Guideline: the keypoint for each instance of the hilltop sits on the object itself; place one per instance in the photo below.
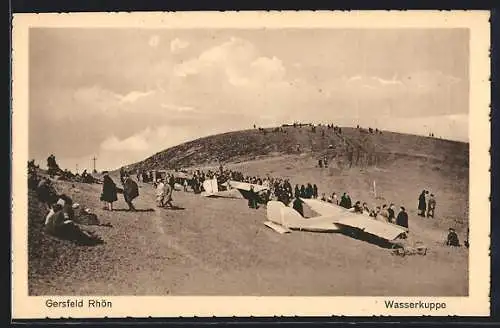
(351, 145)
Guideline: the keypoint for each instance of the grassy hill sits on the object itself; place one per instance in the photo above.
(221, 247)
(363, 148)
(400, 165)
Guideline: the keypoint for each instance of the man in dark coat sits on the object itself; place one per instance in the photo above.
(402, 219)
(391, 213)
(297, 205)
(343, 201)
(130, 192)
(109, 192)
(431, 206)
(309, 191)
(297, 191)
(315, 191)
(422, 206)
(252, 198)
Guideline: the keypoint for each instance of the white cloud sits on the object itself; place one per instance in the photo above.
(133, 96)
(238, 61)
(176, 45)
(154, 41)
(94, 99)
(383, 82)
(178, 108)
(417, 83)
(133, 143)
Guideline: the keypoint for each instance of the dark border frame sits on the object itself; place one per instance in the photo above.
(45, 6)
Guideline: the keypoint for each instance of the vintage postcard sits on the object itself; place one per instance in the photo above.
(251, 164)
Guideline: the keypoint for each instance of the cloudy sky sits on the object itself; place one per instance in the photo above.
(124, 94)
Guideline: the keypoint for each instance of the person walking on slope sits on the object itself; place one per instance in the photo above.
(130, 192)
(164, 194)
(422, 206)
(109, 192)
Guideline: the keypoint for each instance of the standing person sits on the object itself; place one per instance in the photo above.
(252, 199)
(160, 192)
(297, 191)
(431, 206)
(297, 205)
(422, 206)
(302, 191)
(402, 219)
(348, 201)
(391, 213)
(315, 191)
(343, 201)
(167, 195)
(109, 193)
(335, 199)
(309, 191)
(130, 191)
(384, 213)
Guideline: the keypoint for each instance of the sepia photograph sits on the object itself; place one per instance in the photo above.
(292, 161)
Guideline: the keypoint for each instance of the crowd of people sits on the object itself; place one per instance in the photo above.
(280, 189)
(276, 188)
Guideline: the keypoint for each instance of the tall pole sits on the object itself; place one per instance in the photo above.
(76, 168)
(94, 159)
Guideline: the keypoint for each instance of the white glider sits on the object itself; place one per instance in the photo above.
(331, 218)
(212, 190)
(235, 189)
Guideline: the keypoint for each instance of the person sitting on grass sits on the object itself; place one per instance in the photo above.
(59, 224)
(452, 239)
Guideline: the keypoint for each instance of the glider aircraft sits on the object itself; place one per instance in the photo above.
(331, 218)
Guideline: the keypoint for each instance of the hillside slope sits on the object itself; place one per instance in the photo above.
(351, 145)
